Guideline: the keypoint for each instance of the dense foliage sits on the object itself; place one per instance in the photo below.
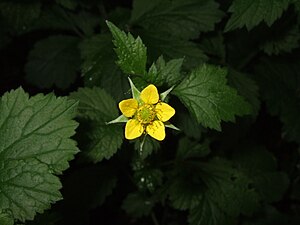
(229, 68)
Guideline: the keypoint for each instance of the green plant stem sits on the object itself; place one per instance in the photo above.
(154, 219)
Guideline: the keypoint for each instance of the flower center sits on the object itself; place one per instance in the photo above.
(146, 114)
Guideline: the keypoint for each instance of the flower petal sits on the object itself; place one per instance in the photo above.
(150, 95)
(164, 112)
(156, 130)
(133, 129)
(128, 107)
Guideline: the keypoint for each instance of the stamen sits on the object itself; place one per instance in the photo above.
(146, 114)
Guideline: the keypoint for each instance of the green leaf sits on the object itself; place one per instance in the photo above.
(189, 125)
(99, 67)
(191, 149)
(285, 42)
(228, 188)
(20, 15)
(172, 48)
(260, 166)
(132, 53)
(99, 107)
(95, 104)
(214, 191)
(181, 18)
(53, 18)
(246, 87)
(207, 213)
(137, 204)
(214, 46)
(82, 22)
(168, 73)
(35, 145)
(250, 13)
(185, 192)
(6, 219)
(162, 73)
(279, 85)
(208, 98)
(105, 140)
(53, 61)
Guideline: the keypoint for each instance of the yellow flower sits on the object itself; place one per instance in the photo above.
(146, 115)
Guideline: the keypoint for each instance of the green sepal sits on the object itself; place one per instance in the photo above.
(135, 92)
(120, 119)
(169, 125)
(166, 93)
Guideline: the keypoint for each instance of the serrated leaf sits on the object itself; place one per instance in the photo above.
(246, 87)
(208, 98)
(181, 18)
(189, 126)
(99, 107)
(185, 192)
(137, 204)
(214, 191)
(53, 61)
(173, 48)
(271, 185)
(191, 149)
(35, 144)
(229, 188)
(105, 140)
(167, 72)
(161, 72)
(279, 85)
(132, 53)
(84, 22)
(260, 165)
(250, 13)
(20, 15)
(53, 18)
(208, 214)
(214, 46)
(99, 67)
(283, 43)
(6, 219)
(95, 104)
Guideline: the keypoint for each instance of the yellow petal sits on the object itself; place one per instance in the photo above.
(128, 107)
(156, 130)
(133, 129)
(164, 112)
(150, 94)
